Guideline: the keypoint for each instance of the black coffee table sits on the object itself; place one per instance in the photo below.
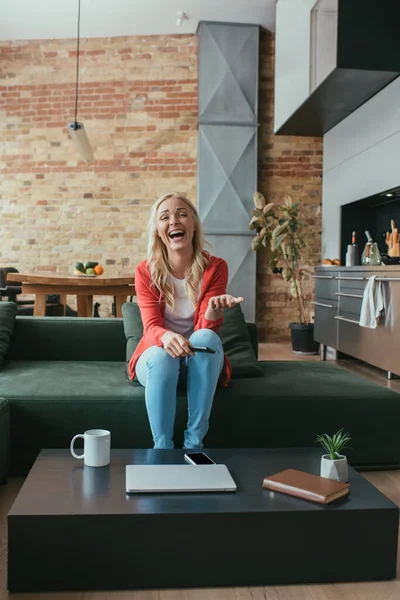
(74, 528)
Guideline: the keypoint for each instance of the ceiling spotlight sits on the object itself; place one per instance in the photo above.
(181, 16)
(389, 194)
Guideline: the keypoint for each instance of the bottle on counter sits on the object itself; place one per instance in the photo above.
(371, 255)
(352, 252)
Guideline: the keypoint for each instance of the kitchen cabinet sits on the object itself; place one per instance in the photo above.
(331, 56)
(337, 302)
(325, 325)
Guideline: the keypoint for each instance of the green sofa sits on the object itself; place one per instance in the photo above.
(4, 438)
(62, 376)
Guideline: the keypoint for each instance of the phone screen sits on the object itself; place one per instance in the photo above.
(199, 458)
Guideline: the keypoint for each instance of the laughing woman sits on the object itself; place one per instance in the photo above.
(181, 292)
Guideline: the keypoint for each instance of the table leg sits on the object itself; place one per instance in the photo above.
(83, 306)
(39, 308)
(119, 301)
(63, 302)
(90, 306)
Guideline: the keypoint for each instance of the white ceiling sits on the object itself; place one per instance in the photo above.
(55, 19)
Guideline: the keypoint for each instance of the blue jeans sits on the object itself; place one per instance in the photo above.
(159, 373)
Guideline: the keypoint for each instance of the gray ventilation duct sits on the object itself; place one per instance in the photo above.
(227, 148)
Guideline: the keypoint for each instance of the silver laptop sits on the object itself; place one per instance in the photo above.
(178, 478)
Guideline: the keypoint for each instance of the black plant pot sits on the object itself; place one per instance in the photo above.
(303, 338)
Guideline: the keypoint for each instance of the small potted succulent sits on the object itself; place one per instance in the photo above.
(334, 464)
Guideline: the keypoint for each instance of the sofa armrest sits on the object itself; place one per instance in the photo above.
(253, 333)
(4, 438)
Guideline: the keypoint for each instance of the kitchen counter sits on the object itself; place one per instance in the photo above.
(337, 303)
(380, 268)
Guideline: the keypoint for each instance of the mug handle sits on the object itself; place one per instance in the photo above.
(80, 435)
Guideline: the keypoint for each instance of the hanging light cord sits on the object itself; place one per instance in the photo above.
(77, 65)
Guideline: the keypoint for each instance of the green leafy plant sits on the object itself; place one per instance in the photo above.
(334, 445)
(281, 230)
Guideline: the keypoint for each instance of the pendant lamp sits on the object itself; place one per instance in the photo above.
(76, 129)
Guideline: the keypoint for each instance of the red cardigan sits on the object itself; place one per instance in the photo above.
(152, 307)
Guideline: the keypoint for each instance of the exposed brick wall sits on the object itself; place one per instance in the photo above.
(138, 102)
(287, 165)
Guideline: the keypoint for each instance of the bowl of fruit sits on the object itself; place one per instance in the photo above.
(89, 269)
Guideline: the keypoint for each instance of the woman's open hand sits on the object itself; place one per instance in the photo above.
(176, 345)
(224, 301)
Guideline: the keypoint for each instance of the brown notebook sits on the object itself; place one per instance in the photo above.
(307, 486)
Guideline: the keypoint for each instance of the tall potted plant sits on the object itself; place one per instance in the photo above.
(281, 230)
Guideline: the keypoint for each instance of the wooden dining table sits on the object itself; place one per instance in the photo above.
(84, 288)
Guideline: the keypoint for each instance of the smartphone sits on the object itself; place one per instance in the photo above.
(202, 349)
(198, 458)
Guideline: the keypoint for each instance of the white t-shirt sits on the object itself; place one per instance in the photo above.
(181, 319)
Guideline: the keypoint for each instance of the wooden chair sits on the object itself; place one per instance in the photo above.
(6, 290)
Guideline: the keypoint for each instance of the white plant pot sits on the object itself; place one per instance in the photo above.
(334, 469)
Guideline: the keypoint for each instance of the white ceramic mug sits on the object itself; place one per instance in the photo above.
(96, 447)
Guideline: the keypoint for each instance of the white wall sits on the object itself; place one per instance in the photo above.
(324, 49)
(292, 57)
(361, 158)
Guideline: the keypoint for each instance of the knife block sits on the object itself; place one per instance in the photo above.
(394, 250)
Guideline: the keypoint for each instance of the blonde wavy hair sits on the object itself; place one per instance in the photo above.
(157, 255)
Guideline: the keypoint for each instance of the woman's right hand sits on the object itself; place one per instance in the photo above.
(176, 345)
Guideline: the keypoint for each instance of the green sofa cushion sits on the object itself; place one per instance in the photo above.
(8, 311)
(133, 327)
(51, 401)
(237, 345)
(234, 335)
